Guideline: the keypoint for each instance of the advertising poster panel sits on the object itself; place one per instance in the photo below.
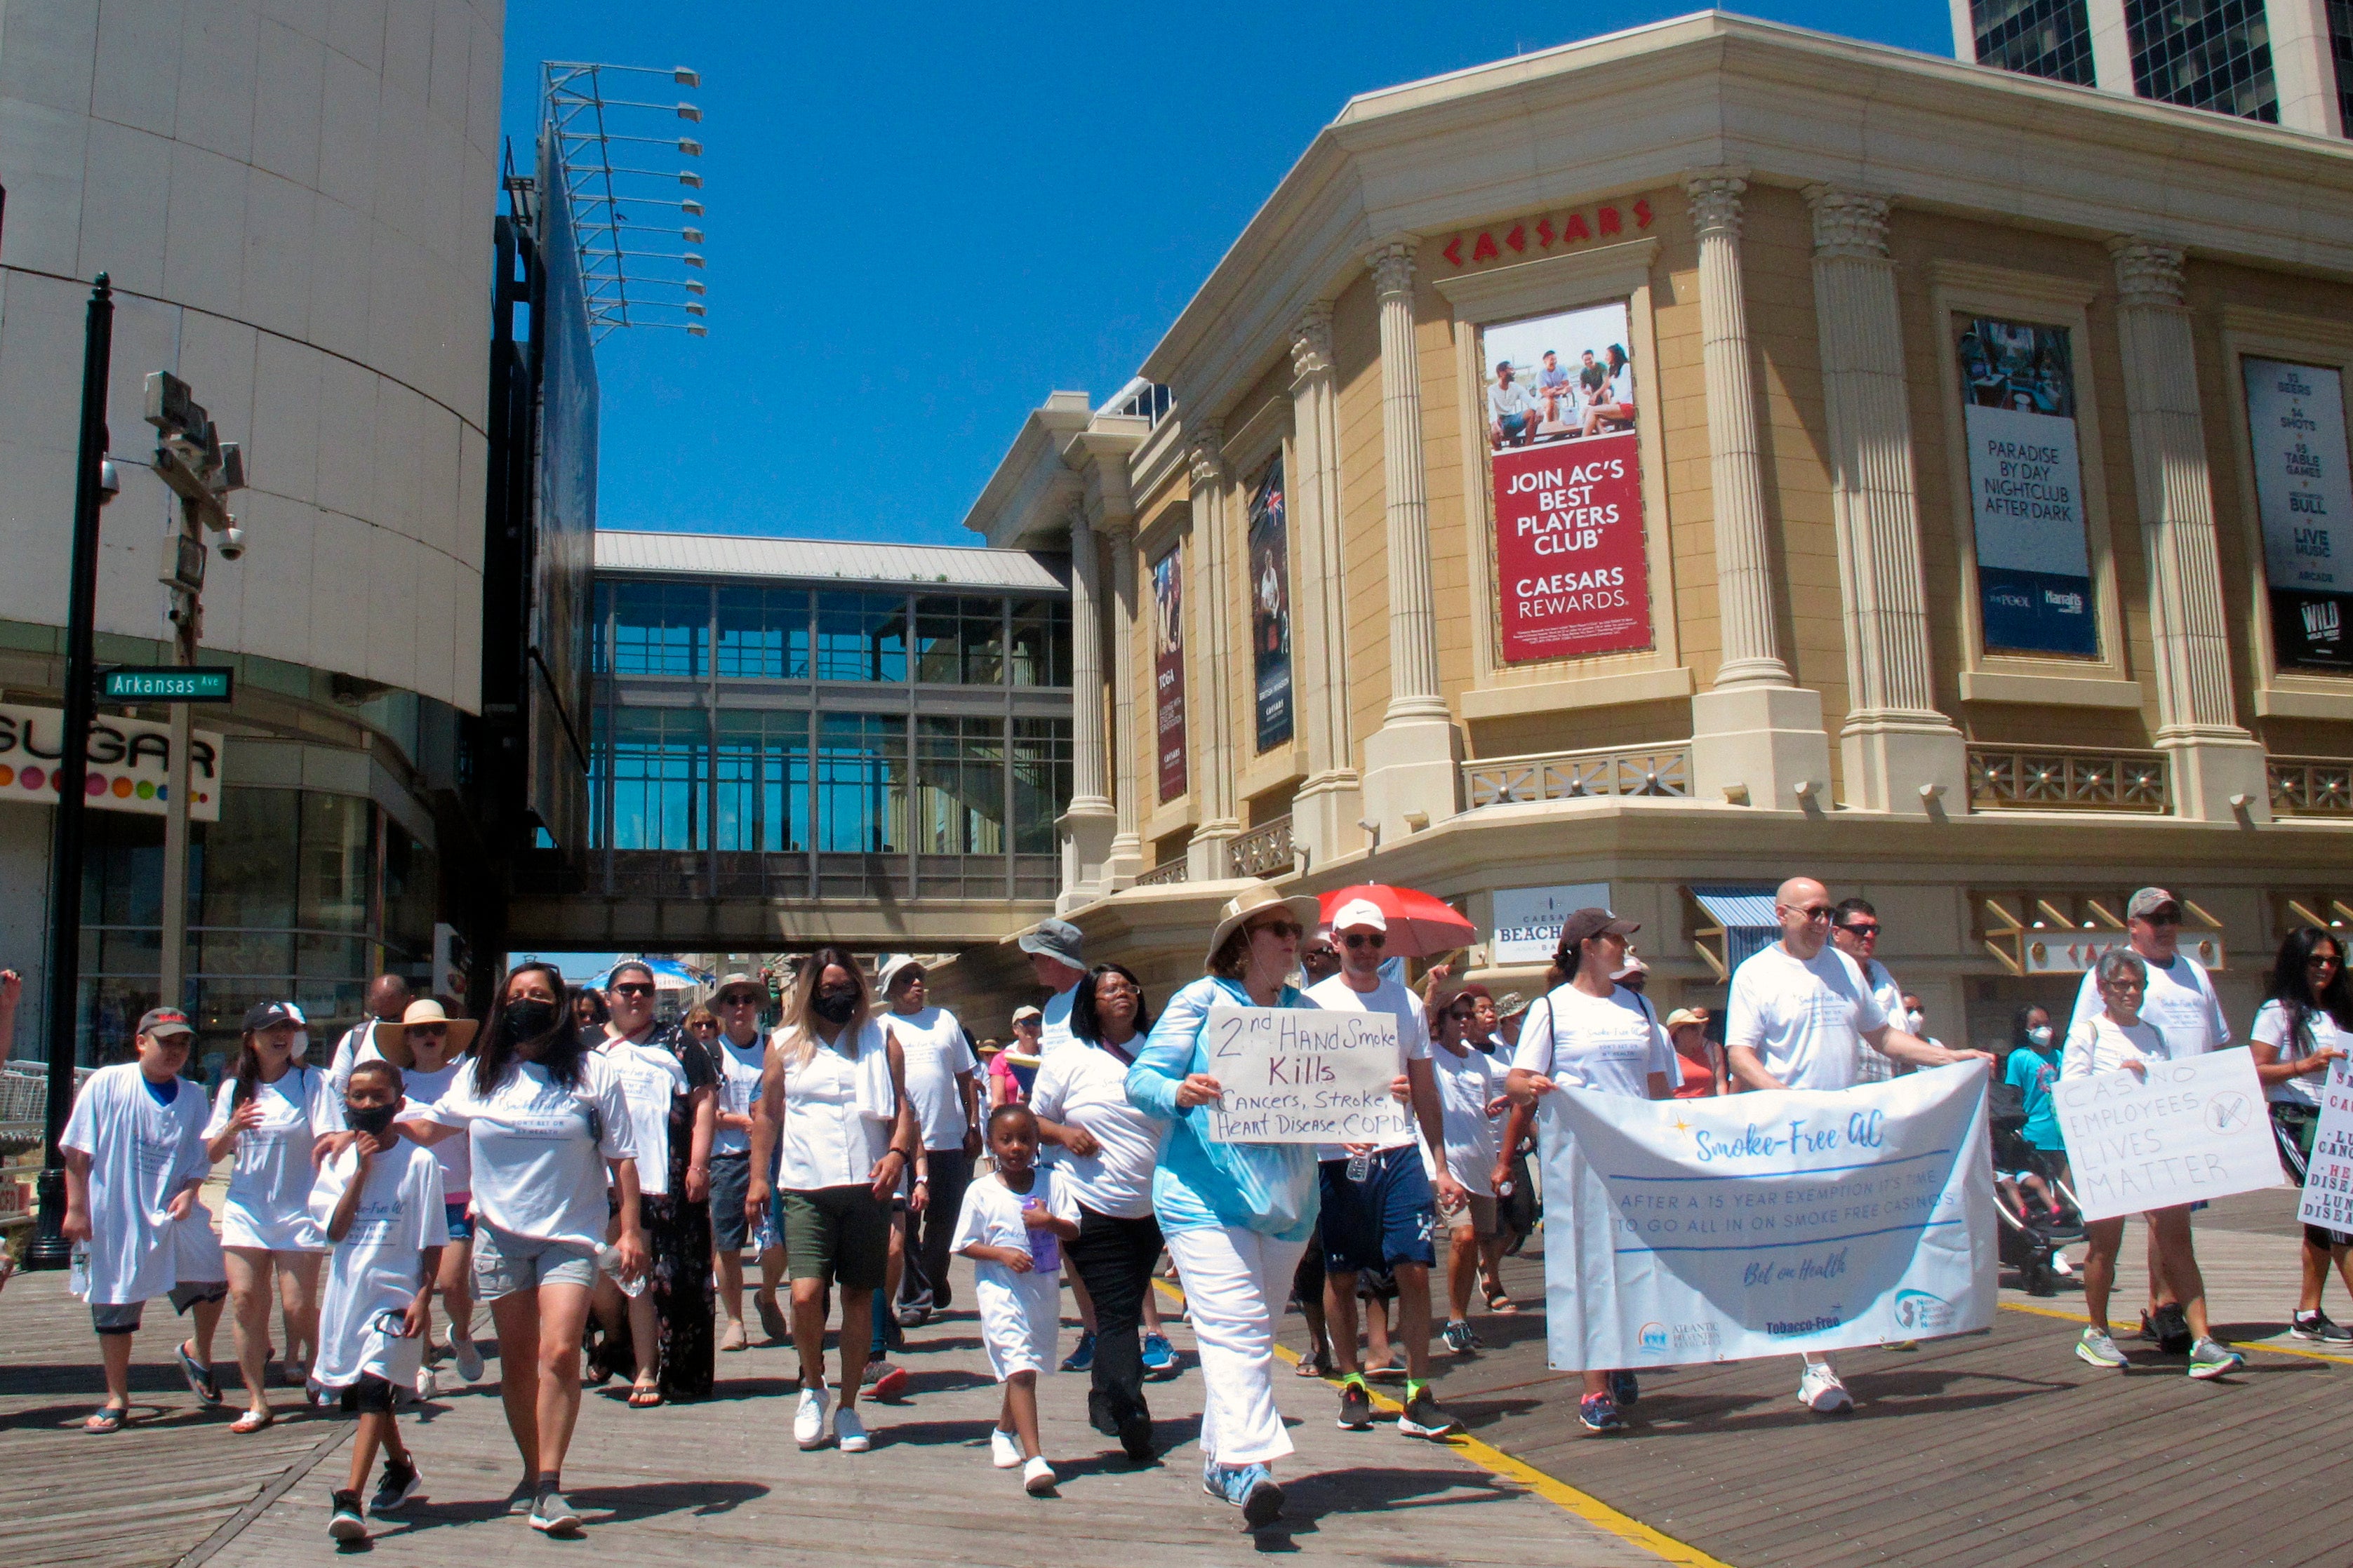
(2296, 421)
(1168, 670)
(1559, 406)
(1269, 585)
(2026, 488)
(130, 762)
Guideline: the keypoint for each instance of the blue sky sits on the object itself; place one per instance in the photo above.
(923, 219)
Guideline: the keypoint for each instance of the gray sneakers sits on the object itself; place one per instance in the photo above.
(2210, 1358)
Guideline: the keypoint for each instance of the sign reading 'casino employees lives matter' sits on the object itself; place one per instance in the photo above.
(1753, 1225)
(1559, 406)
(1293, 1075)
(2190, 1130)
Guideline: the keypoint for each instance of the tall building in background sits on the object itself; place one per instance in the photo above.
(2284, 62)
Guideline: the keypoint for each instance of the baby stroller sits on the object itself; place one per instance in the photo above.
(2032, 1233)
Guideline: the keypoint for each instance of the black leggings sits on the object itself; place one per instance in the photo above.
(1116, 1258)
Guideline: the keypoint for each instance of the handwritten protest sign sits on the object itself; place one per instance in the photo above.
(1753, 1225)
(1294, 1075)
(2193, 1129)
(2328, 1176)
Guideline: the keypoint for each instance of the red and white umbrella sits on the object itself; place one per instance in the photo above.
(1419, 925)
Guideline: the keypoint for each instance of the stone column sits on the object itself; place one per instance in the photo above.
(1209, 660)
(1894, 741)
(2213, 758)
(1330, 800)
(1131, 708)
(1413, 764)
(2303, 67)
(1756, 736)
(1087, 823)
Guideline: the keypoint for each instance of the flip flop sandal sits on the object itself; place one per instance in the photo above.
(105, 1419)
(645, 1396)
(252, 1421)
(201, 1381)
(773, 1322)
(1501, 1303)
(1318, 1365)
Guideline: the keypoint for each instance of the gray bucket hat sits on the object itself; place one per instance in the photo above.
(1056, 939)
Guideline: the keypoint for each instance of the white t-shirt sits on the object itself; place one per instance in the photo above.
(650, 1078)
(2177, 998)
(356, 1040)
(142, 1154)
(837, 1127)
(1390, 996)
(2099, 1044)
(1611, 1044)
(1465, 1085)
(268, 1202)
(378, 1264)
(2271, 1029)
(1872, 1065)
(739, 1086)
(1087, 1087)
(1805, 1019)
(1054, 1028)
(933, 1044)
(991, 1216)
(539, 1149)
(420, 1087)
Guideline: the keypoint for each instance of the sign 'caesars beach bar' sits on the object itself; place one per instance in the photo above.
(1751, 1224)
(1294, 1075)
(2192, 1129)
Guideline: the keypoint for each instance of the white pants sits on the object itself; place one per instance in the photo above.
(1236, 1282)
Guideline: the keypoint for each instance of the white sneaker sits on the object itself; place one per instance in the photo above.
(1820, 1390)
(1004, 1449)
(851, 1431)
(427, 1386)
(1038, 1477)
(468, 1357)
(809, 1419)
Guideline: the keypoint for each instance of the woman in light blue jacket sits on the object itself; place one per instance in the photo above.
(1235, 1216)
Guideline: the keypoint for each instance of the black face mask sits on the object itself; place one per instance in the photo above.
(372, 1120)
(835, 1006)
(526, 1020)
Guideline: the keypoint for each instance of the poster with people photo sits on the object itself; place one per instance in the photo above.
(2296, 424)
(1560, 409)
(1168, 670)
(2026, 487)
(1270, 587)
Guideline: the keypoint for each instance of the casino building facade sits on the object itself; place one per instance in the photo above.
(1658, 466)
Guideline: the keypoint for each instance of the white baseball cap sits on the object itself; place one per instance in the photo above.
(1360, 912)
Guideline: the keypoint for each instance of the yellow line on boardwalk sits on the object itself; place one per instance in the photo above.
(1557, 1492)
(2239, 1345)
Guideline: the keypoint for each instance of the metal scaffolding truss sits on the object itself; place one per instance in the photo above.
(630, 277)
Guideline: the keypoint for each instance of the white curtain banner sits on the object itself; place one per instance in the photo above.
(1766, 1224)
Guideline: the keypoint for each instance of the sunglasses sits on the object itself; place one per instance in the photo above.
(702, 1026)
(429, 1031)
(633, 988)
(1366, 939)
(2322, 960)
(739, 1000)
(1860, 927)
(1292, 929)
(1812, 912)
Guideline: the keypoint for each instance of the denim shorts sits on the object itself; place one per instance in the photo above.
(505, 1263)
(1381, 1221)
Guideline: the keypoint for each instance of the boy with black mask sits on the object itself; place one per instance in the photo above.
(380, 1201)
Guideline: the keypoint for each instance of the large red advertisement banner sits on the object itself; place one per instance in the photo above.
(1571, 570)
(1568, 549)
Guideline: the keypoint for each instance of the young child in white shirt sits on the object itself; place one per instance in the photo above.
(1012, 1226)
(380, 1201)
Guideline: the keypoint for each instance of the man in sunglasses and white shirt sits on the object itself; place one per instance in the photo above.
(1800, 1010)
(1381, 1220)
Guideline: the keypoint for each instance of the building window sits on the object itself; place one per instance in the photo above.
(764, 634)
(1042, 782)
(2036, 37)
(2340, 60)
(960, 642)
(2203, 54)
(960, 786)
(762, 763)
(1041, 640)
(655, 768)
(660, 628)
(862, 783)
(600, 658)
(1150, 402)
(861, 637)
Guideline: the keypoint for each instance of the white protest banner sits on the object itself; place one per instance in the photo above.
(1753, 1224)
(2192, 1129)
(1294, 1075)
(2328, 1174)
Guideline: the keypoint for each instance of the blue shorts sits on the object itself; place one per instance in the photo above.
(1381, 1221)
(459, 1222)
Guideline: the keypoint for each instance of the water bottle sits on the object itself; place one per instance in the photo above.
(77, 1271)
(608, 1258)
(1045, 1246)
(1360, 1166)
